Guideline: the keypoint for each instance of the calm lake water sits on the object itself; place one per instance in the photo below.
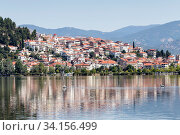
(92, 97)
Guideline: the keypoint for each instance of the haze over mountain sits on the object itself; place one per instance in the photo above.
(164, 36)
(70, 31)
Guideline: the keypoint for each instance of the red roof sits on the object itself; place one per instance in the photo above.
(82, 64)
(148, 64)
(109, 62)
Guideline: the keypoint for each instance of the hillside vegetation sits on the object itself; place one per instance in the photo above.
(12, 35)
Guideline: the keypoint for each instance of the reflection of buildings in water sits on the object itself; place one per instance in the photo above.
(44, 95)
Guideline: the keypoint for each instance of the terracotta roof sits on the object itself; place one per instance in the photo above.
(82, 64)
(148, 64)
(109, 62)
(13, 62)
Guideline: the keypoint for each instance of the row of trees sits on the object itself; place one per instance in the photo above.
(115, 70)
(41, 69)
(129, 70)
(7, 68)
(12, 35)
(163, 54)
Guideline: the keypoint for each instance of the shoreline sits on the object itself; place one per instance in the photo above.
(97, 74)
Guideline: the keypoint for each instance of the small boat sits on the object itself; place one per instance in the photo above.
(64, 87)
(162, 86)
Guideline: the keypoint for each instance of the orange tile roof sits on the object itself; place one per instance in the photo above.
(148, 64)
(13, 62)
(82, 64)
(109, 62)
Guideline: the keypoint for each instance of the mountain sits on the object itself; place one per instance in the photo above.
(118, 34)
(165, 36)
(66, 31)
(70, 31)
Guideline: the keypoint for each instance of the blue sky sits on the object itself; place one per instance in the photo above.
(104, 15)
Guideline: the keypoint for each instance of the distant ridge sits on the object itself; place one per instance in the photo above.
(71, 31)
(165, 36)
(66, 31)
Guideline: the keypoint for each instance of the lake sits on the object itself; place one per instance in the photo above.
(90, 98)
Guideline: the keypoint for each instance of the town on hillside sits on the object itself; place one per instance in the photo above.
(90, 53)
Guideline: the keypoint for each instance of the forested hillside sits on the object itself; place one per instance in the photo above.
(12, 35)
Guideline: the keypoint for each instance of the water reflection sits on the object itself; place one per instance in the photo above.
(107, 97)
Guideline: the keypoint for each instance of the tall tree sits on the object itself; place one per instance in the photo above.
(19, 67)
(133, 44)
(163, 54)
(167, 54)
(8, 67)
(33, 35)
(1, 67)
(41, 68)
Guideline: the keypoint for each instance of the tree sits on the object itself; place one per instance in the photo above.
(81, 43)
(162, 54)
(45, 70)
(84, 71)
(93, 71)
(1, 57)
(35, 70)
(1, 22)
(138, 54)
(36, 49)
(158, 54)
(123, 51)
(7, 49)
(133, 45)
(33, 35)
(139, 71)
(59, 69)
(19, 68)
(1, 68)
(72, 69)
(22, 43)
(113, 68)
(51, 70)
(8, 67)
(145, 70)
(153, 70)
(111, 56)
(129, 68)
(92, 55)
(41, 68)
(178, 68)
(24, 71)
(167, 54)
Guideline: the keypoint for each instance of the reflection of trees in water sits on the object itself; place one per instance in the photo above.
(41, 82)
(29, 97)
(11, 106)
(17, 112)
(18, 82)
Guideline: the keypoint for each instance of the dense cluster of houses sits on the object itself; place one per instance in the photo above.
(78, 51)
